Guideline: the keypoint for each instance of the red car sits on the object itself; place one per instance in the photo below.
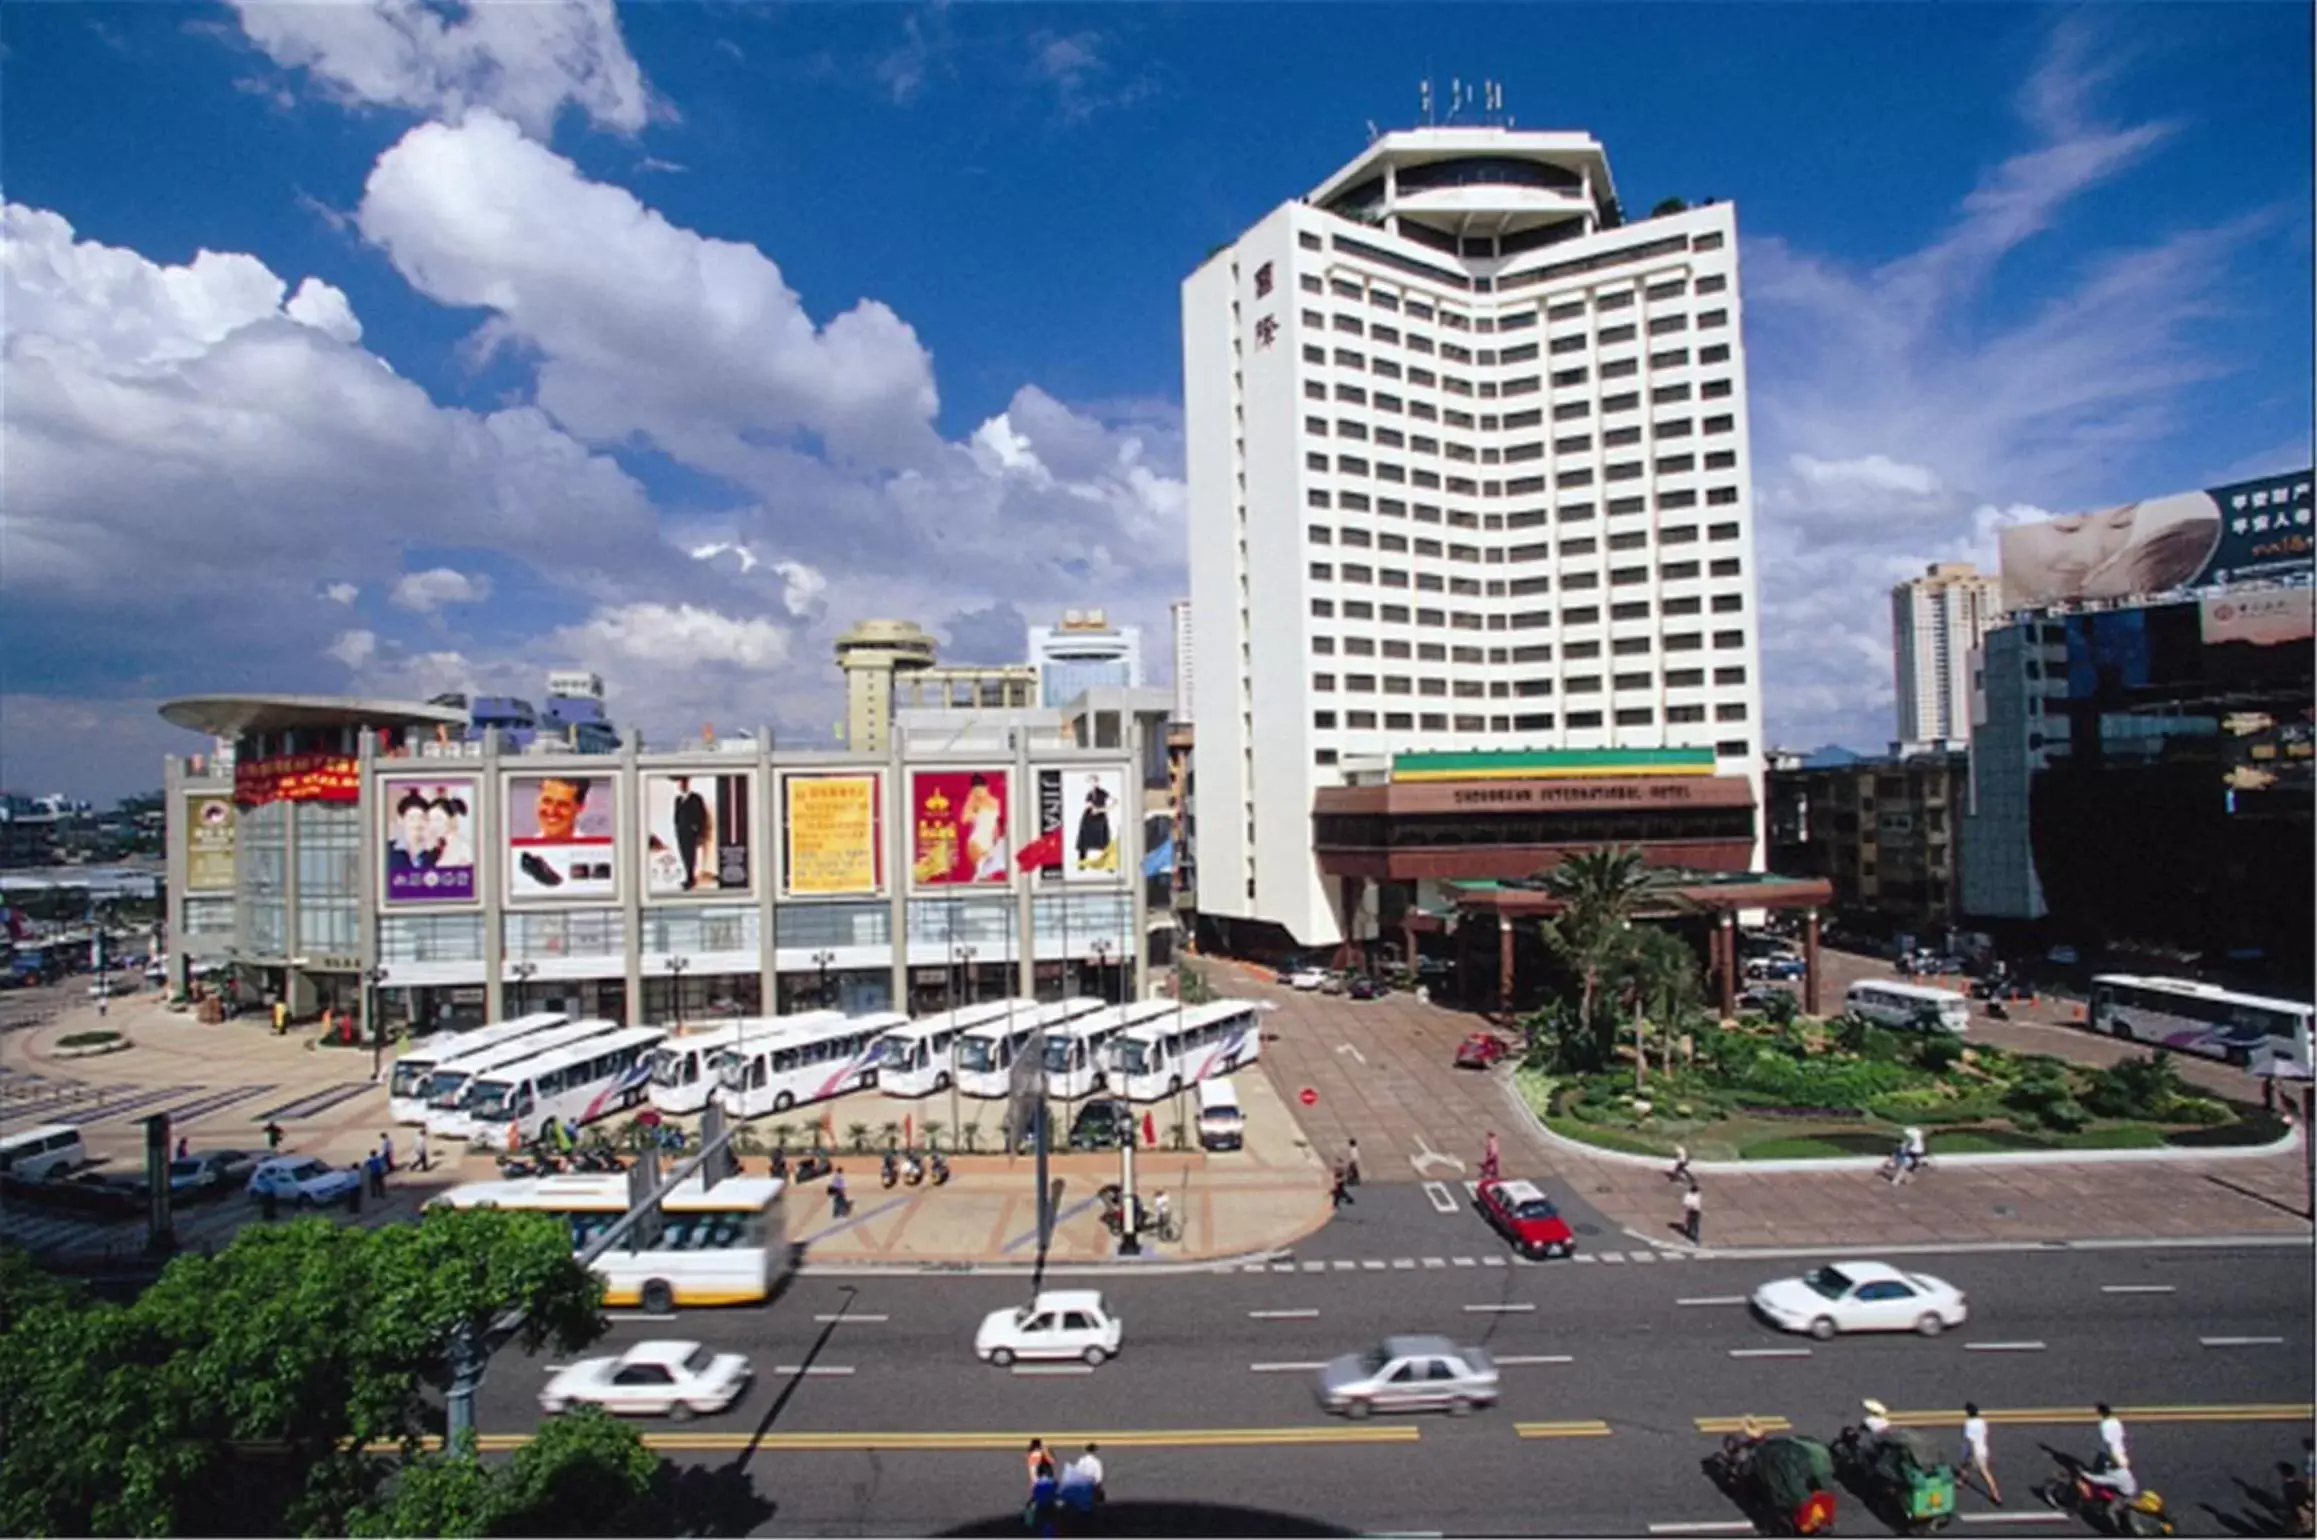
(1481, 1050)
(1527, 1218)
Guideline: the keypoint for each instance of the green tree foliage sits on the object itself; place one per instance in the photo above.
(1666, 206)
(2146, 1087)
(585, 1473)
(1191, 986)
(1600, 891)
(257, 1388)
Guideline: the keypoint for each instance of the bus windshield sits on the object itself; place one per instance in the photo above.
(1134, 1058)
(409, 1075)
(668, 1066)
(978, 1054)
(488, 1100)
(1064, 1054)
(443, 1087)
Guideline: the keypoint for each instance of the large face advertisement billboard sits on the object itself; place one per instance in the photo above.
(212, 825)
(2247, 531)
(561, 836)
(696, 833)
(1080, 816)
(958, 830)
(830, 827)
(429, 839)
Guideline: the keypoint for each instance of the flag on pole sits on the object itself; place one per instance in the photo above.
(1149, 1132)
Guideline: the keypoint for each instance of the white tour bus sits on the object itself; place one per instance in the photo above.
(447, 1090)
(52, 1149)
(914, 1060)
(1076, 1050)
(805, 1064)
(684, 1068)
(727, 1245)
(1890, 1003)
(1159, 1058)
(2254, 1031)
(985, 1054)
(574, 1086)
(406, 1102)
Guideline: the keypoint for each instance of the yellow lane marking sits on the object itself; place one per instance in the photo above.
(1588, 1429)
(1170, 1438)
(1738, 1425)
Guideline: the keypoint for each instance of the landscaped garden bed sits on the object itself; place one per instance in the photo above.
(1802, 1090)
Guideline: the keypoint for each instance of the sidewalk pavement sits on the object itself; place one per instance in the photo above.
(226, 1080)
(1384, 1073)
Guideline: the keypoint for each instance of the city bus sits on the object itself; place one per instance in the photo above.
(804, 1064)
(722, 1245)
(985, 1054)
(406, 1103)
(2251, 1031)
(914, 1060)
(1075, 1050)
(1892, 1003)
(684, 1067)
(574, 1086)
(1158, 1058)
(447, 1089)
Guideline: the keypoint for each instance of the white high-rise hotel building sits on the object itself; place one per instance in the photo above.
(1468, 471)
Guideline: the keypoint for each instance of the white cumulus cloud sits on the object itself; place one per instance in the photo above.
(1874, 472)
(342, 593)
(678, 636)
(353, 648)
(428, 591)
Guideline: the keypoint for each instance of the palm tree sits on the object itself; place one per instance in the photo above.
(1600, 891)
(1657, 975)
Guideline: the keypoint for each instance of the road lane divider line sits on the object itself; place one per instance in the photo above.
(816, 1371)
(2003, 1347)
(1738, 1424)
(2057, 1416)
(1443, 1200)
(1463, 1262)
(1515, 1309)
(1705, 1527)
(1769, 1352)
(1315, 1267)
(851, 1320)
(1283, 1315)
(1303, 1368)
(2138, 1288)
(1403, 1264)
(1192, 1438)
(1589, 1428)
(1342, 1266)
(1432, 1262)
(1050, 1371)
(637, 1315)
(1714, 1299)
(1372, 1264)
(2013, 1518)
(1522, 1360)
(2217, 1342)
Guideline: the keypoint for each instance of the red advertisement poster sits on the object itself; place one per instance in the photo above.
(298, 778)
(960, 827)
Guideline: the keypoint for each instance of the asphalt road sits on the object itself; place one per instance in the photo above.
(1615, 1378)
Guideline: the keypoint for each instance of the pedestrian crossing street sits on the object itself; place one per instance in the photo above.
(90, 1106)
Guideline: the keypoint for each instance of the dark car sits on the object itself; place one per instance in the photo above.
(1527, 1218)
(1367, 989)
(1104, 1123)
(1482, 1050)
(209, 1173)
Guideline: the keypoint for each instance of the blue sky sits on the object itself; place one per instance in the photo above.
(510, 314)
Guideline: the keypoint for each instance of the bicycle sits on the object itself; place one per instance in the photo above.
(1166, 1227)
(1897, 1168)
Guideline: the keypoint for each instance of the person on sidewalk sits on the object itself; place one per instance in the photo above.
(1032, 1457)
(839, 1204)
(1975, 1451)
(184, 1148)
(386, 1149)
(1680, 1171)
(273, 1138)
(1491, 1160)
(1082, 1486)
(1693, 1205)
(374, 1174)
(281, 1018)
(1336, 1195)
(1352, 1163)
(418, 1158)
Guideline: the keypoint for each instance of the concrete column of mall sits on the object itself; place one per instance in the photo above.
(767, 911)
(1025, 901)
(630, 806)
(1504, 966)
(1138, 892)
(1727, 928)
(373, 1030)
(902, 840)
(1810, 991)
(491, 849)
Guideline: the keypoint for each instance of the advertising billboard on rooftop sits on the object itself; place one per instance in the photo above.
(2246, 532)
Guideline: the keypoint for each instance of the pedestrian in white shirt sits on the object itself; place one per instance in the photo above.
(1878, 1418)
(2112, 1435)
(1975, 1450)
(1086, 1470)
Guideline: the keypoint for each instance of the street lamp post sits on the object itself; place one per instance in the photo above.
(676, 967)
(964, 957)
(522, 971)
(821, 960)
(371, 979)
(1103, 946)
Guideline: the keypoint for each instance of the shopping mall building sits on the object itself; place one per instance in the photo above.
(332, 842)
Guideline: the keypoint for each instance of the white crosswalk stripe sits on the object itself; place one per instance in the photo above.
(1315, 1267)
(1342, 1266)
(1492, 1261)
(1372, 1265)
(1463, 1261)
(1435, 1262)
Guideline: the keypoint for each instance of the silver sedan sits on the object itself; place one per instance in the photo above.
(1409, 1374)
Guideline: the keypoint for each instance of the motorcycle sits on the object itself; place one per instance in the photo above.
(890, 1172)
(778, 1167)
(912, 1170)
(1995, 1009)
(2143, 1516)
(812, 1167)
(939, 1169)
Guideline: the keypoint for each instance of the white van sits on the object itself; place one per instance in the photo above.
(1918, 1007)
(1222, 1126)
(53, 1149)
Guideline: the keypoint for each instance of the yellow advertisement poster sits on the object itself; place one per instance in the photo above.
(829, 834)
(212, 824)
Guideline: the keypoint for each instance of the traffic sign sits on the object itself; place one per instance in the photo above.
(1308, 1097)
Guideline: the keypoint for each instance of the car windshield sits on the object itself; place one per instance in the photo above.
(1829, 1281)
(300, 1171)
(488, 1099)
(978, 1054)
(1542, 1208)
(409, 1075)
(701, 1358)
(1373, 1360)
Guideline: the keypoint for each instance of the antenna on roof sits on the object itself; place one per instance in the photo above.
(1495, 101)
(1373, 132)
(1424, 90)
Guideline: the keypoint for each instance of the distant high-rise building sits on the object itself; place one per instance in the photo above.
(1936, 620)
(871, 654)
(1468, 472)
(1085, 652)
(1180, 614)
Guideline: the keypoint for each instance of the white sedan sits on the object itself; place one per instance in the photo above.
(1307, 978)
(1060, 1323)
(652, 1379)
(1861, 1296)
(303, 1181)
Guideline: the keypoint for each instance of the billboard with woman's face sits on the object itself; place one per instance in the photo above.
(562, 834)
(2243, 532)
(429, 839)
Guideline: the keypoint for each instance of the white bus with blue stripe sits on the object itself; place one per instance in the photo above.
(574, 1086)
(797, 1066)
(685, 1067)
(1076, 1051)
(447, 1090)
(1159, 1058)
(985, 1055)
(406, 1101)
(915, 1059)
